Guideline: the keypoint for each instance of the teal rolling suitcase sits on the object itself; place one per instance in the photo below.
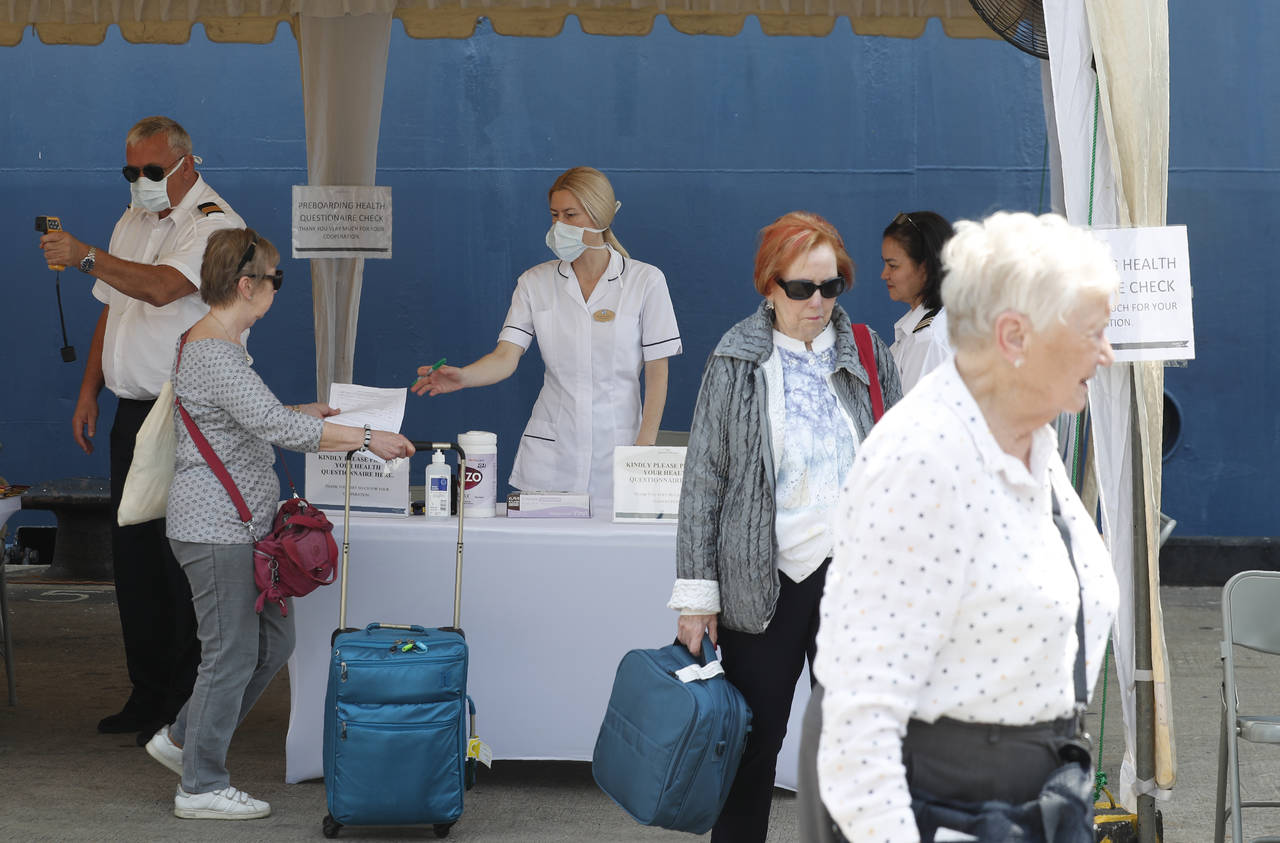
(396, 715)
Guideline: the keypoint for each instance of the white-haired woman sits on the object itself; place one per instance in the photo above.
(600, 318)
(948, 637)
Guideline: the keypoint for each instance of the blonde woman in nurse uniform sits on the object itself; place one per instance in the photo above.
(600, 318)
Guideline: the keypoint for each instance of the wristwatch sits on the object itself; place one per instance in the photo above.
(86, 265)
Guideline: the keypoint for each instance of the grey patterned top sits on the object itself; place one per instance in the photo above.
(242, 419)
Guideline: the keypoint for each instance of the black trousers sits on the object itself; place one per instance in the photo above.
(765, 668)
(152, 593)
(979, 762)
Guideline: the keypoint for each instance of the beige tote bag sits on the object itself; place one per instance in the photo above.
(146, 488)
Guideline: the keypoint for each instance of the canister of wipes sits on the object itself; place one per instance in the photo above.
(480, 485)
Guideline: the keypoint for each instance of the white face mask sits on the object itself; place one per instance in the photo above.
(153, 195)
(566, 240)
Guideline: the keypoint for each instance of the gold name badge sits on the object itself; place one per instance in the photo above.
(604, 314)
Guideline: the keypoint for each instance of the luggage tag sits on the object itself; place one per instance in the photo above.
(480, 751)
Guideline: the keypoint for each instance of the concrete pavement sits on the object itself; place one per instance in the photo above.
(61, 781)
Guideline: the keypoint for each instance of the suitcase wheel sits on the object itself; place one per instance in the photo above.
(442, 829)
(330, 826)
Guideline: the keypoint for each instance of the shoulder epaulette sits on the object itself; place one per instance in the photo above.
(208, 208)
(926, 320)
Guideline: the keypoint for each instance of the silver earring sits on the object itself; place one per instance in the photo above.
(768, 305)
(1017, 363)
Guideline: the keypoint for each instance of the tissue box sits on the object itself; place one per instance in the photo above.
(548, 505)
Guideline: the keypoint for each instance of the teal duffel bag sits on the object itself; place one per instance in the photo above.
(672, 738)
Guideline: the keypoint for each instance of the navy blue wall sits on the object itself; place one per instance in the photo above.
(706, 140)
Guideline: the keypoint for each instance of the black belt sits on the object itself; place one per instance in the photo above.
(1063, 727)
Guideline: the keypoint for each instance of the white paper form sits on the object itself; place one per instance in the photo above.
(381, 408)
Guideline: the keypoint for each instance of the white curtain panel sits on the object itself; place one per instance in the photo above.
(1132, 43)
(1112, 158)
(344, 70)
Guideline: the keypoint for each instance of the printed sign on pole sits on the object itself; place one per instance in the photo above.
(341, 222)
(1151, 316)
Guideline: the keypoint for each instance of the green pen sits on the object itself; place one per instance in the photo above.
(434, 366)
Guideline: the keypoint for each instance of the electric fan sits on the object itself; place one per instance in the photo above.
(1020, 22)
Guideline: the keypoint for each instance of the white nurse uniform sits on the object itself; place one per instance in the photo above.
(594, 352)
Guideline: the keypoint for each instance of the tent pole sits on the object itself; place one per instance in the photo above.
(1144, 686)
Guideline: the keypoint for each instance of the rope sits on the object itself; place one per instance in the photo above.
(1100, 778)
(1077, 458)
(1093, 156)
(1044, 172)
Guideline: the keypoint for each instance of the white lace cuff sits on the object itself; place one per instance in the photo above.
(695, 597)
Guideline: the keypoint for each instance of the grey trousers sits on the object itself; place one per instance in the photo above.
(240, 652)
(815, 822)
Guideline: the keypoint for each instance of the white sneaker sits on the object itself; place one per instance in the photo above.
(162, 748)
(225, 804)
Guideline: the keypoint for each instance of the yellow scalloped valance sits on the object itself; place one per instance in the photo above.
(170, 22)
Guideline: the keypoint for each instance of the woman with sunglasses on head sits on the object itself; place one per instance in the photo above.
(784, 402)
(241, 649)
(911, 251)
(600, 318)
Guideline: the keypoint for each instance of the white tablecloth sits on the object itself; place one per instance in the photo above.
(549, 607)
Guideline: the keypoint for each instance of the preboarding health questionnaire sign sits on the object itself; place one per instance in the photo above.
(341, 222)
(1151, 317)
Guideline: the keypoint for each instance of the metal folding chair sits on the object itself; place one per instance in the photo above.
(1251, 619)
(6, 638)
(7, 506)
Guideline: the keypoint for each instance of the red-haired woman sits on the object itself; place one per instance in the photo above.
(783, 405)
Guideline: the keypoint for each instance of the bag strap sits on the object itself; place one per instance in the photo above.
(206, 451)
(1082, 686)
(293, 490)
(867, 354)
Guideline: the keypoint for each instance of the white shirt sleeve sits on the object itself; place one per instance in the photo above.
(891, 594)
(659, 333)
(517, 328)
(185, 250)
(102, 290)
(938, 348)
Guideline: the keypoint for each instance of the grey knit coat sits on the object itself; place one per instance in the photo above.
(726, 528)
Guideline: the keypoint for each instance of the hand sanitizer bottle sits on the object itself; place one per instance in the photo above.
(438, 483)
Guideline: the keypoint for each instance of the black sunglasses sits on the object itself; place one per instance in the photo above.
(248, 255)
(905, 218)
(803, 290)
(277, 278)
(152, 171)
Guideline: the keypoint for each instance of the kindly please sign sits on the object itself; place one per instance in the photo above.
(1151, 318)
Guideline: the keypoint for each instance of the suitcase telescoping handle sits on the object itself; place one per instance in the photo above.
(346, 535)
(462, 484)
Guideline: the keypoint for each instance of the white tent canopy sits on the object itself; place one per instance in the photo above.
(344, 46)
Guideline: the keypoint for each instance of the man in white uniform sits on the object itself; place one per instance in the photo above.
(148, 281)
